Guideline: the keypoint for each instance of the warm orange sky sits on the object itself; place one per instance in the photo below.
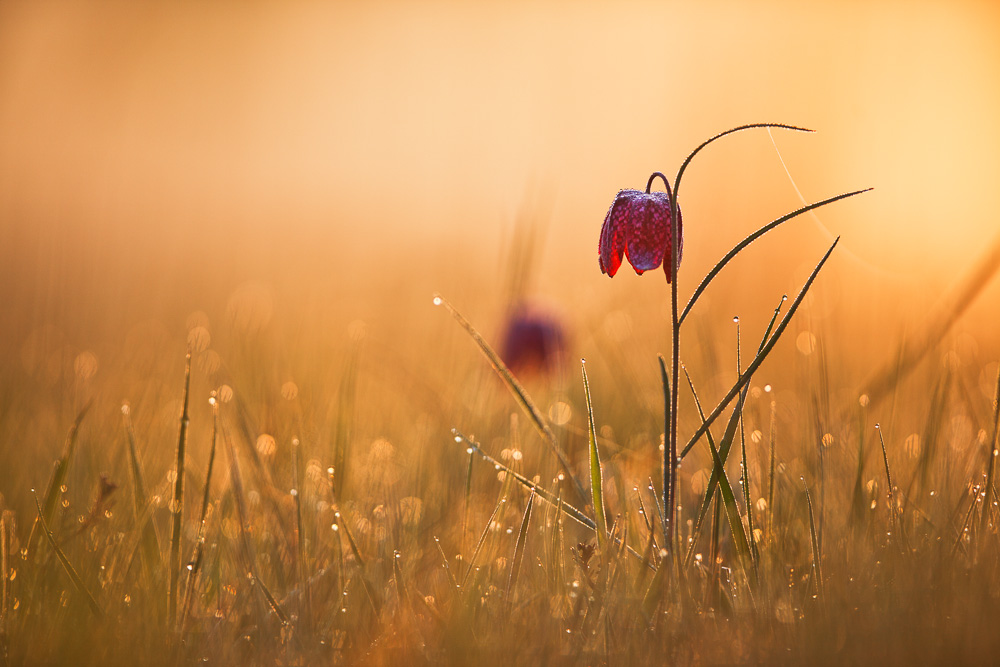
(355, 138)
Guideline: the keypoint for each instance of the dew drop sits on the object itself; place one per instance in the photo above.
(438, 301)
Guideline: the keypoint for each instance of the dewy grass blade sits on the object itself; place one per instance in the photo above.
(196, 558)
(723, 453)
(58, 478)
(149, 540)
(596, 478)
(727, 438)
(735, 521)
(547, 496)
(816, 558)
(753, 237)
(888, 480)
(482, 541)
(177, 503)
(515, 565)
(522, 397)
(555, 501)
(744, 468)
(744, 379)
(70, 570)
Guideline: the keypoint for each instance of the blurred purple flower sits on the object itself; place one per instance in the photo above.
(638, 226)
(534, 341)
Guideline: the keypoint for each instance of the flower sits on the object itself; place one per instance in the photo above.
(534, 341)
(638, 226)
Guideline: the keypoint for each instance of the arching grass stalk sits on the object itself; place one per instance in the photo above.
(670, 458)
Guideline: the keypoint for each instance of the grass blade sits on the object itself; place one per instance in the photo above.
(735, 521)
(723, 454)
(515, 565)
(991, 455)
(345, 420)
(59, 473)
(744, 379)
(547, 496)
(482, 540)
(522, 397)
(816, 558)
(596, 479)
(70, 570)
(888, 479)
(727, 438)
(196, 559)
(753, 237)
(149, 540)
(177, 504)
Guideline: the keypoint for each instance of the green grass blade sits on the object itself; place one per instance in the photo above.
(750, 239)
(519, 393)
(735, 521)
(744, 379)
(727, 438)
(723, 451)
(596, 478)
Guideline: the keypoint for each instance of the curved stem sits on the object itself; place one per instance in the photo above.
(649, 183)
(680, 172)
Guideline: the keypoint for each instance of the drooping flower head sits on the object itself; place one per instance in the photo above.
(638, 226)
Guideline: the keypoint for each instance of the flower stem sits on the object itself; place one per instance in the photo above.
(670, 438)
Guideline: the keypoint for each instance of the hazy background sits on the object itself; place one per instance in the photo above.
(340, 162)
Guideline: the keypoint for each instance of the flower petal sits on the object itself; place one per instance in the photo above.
(647, 230)
(612, 244)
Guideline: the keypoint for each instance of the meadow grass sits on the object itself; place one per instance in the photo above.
(376, 514)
